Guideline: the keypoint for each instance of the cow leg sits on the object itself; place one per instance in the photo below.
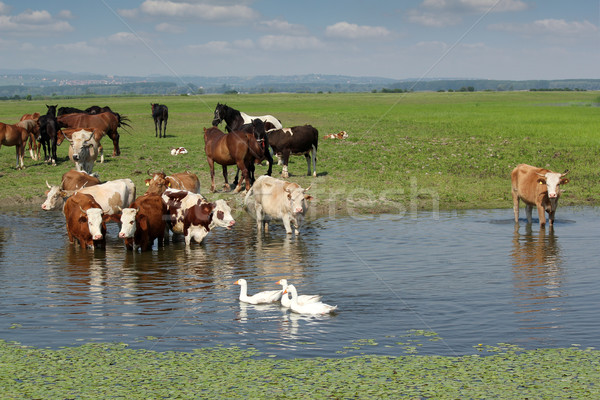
(528, 210)
(286, 224)
(542, 215)
(285, 157)
(515, 197)
(551, 217)
(259, 217)
(101, 153)
(313, 154)
(308, 163)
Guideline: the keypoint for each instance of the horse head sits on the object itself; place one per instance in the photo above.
(51, 110)
(219, 114)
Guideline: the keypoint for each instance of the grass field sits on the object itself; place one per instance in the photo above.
(425, 150)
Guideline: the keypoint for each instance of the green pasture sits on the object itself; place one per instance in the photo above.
(405, 151)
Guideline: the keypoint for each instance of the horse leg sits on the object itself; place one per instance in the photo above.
(155, 127)
(235, 181)
(226, 186)
(269, 158)
(165, 129)
(160, 129)
(211, 165)
(54, 157)
(241, 165)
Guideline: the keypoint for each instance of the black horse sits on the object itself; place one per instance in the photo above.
(160, 113)
(232, 117)
(69, 110)
(48, 134)
(257, 128)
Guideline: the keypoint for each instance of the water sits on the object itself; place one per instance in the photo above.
(471, 277)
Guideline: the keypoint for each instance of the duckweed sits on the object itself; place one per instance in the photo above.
(115, 371)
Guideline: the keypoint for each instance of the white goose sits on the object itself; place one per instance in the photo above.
(302, 299)
(268, 296)
(310, 308)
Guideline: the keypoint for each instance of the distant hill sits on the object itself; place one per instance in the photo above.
(40, 83)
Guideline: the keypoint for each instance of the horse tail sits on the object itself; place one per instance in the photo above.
(123, 120)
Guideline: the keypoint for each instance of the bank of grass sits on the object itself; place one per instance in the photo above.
(405, 151)
(95, 371)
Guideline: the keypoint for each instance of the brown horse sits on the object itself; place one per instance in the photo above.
(106, 122)
(33, 130)
(13, 135)
(235, 148)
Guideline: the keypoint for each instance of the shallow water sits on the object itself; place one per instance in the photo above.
(471, 277)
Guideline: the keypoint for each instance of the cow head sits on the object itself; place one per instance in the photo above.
(55, 198)
(95, 222)
(157, 184)
(553, 180)
(81, 141)
(298, 199)
(128, 216)
(222, 215)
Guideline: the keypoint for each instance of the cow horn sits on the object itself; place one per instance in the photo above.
(47, 184)
(564, 173)
(309, 186)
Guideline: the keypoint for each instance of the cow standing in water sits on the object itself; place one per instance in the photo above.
(537, 187)
(160, 113)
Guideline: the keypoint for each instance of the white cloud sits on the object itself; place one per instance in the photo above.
(444, 13)
(201, 11)
(169, 28)
(223, 47)
(279, 25)
(541, 27)
(346, 30)
(474, 6)
(286, 42)
(124, 38)
(32, 23)
(4, 8)
(77, 48)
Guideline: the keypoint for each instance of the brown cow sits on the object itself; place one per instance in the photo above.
(85, 221)
(181, 180)
(143, 222)
(538, 187)
(74, 180)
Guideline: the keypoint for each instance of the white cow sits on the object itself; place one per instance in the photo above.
(83, 150)
(112, 195)
(193, 216)
(271, 198)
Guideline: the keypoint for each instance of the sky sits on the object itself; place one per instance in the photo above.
(425, 39)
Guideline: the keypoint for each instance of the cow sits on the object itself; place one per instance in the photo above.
(85, 221)
(271, 198)
(181, 180)
(83, 150)
(143, 221)
(341, 135)
(295, 140)
(537, 187)
(193, 216)
(160, 113)
(112, 195)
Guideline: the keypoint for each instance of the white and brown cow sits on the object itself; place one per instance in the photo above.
(83, 149)
(295, 140)
(342, 135)
(112, 195)
(85, 221)
(193, 216)
(271, 198)
(537, 187)
(143, 222)
(181, 180)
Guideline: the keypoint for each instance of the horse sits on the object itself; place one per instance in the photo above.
(68, 110)
(160, 113)
(14, 135)
(257, 128)
(30, 123)
(48, 133)
(106, 123)
(236, 148)
(235, 119)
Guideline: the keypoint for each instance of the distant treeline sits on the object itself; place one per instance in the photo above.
(172, 88)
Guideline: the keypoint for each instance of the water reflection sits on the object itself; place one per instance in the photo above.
(538, 276)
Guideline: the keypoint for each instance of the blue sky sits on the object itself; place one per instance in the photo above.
(489, 39)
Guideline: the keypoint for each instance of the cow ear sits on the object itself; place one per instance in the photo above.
(83, 219)
(168, 184)
(308, 197)
(564, 181)
(541, 181)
